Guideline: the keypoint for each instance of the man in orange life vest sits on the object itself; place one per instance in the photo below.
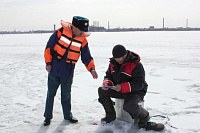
(63, 50)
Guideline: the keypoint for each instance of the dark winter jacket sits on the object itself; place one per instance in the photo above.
(130, 75)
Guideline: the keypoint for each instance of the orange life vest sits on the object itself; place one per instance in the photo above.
(67, 43)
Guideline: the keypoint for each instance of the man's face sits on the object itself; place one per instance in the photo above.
(77, 32)
(121, 59)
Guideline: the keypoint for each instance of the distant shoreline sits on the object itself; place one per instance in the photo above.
(100, 29)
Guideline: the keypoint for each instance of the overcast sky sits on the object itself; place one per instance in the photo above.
(43, 14)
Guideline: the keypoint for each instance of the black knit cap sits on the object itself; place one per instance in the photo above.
(81, 23)
(118, 51)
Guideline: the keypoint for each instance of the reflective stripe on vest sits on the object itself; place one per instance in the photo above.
(68, 44)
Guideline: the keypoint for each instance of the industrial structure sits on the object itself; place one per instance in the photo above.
(95, 27)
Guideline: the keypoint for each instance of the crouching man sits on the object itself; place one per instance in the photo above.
(125, 78)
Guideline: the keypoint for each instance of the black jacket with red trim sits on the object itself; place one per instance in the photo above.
(130, 75)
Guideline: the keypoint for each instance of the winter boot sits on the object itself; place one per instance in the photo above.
(72, 120)
(143, 117)
(109, 110)
(144, 121)
(154, 126)
(106, 120)
(47, 121)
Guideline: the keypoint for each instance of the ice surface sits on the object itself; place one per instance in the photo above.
(171, 61)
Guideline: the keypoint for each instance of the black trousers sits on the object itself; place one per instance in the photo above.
(131, 100)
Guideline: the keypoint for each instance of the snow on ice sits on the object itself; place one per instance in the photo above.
(171, 61)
